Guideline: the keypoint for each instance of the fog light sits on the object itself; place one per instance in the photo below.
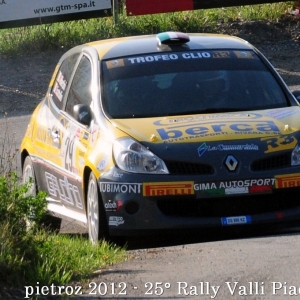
(132, 207)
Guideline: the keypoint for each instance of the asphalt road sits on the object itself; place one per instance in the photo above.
(257, 264)
(265, 267)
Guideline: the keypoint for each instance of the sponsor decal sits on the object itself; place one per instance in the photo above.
(74, 170)
(168, 188)
(167, 57)
(85, 135)
(48, 155)
(117, 175)
(81, 161)
(177, 56)
(60, 86)
(244, 54)
(115, 63)
(235, 187)
(260, 189)
(281, 113)
(123, 188)
(26, 11)
(182, 132)
(116, 221)
(247, 147)
(279, 143)
(226, 221)
(81, 153)
(202, 149)
(236, 190)
(113, 205)
(221, 54)
(192, 119)
(287, 181)
(227, 191)
(102, 164)
(63, 189)
(72, 128)
(94, 134)
(48, 136)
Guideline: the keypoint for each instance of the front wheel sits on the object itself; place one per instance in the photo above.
(96, 219)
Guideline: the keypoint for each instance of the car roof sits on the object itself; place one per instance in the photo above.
(139, 45)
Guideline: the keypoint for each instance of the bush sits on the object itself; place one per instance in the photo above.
(29, 254)
(17, 240)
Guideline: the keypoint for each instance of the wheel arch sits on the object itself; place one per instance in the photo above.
(24, 154)
(86, 175)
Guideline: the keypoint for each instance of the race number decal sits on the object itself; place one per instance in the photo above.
(69, 153)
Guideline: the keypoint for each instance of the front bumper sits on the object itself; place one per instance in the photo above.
(140, 204)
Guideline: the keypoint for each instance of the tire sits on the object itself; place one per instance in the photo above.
(96, 218)
(29, 174)
(48, 222)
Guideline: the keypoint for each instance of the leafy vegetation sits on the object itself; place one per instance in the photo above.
(29, 254)
(67, 34)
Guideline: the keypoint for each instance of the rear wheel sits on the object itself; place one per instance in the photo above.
(48, 222)
(96, 219)
(29, 175)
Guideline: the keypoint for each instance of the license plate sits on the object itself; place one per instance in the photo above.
(226, 221)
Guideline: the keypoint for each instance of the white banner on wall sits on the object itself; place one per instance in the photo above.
(12, 10)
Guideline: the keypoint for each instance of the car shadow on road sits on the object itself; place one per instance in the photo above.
(196, 236)
(185, 237)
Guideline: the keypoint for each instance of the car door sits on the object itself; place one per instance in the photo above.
(48, 131)
(75, 136)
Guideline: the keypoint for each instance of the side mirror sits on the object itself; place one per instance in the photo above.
(296, 94)
(83, 114)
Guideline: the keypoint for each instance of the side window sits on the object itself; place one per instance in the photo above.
(62, 79)
(80, 90)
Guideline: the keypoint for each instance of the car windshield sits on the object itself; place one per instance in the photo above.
(188, 83)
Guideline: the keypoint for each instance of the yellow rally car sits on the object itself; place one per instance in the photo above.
(167, 131)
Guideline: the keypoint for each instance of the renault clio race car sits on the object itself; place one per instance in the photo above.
(167, 131)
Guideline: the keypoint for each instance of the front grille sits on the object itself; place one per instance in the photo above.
(271, 163)
(229, 206)
(185, 168)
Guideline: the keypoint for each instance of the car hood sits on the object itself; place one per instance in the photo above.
(212, 127)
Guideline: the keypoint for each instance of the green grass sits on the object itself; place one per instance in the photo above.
(28, 256)
(51, 258)
(31, 255)
(65, 258)
(67, 34)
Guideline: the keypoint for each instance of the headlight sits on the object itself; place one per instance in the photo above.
(296, 156)
(132, 157)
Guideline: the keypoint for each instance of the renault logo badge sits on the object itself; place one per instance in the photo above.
(231, 163)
